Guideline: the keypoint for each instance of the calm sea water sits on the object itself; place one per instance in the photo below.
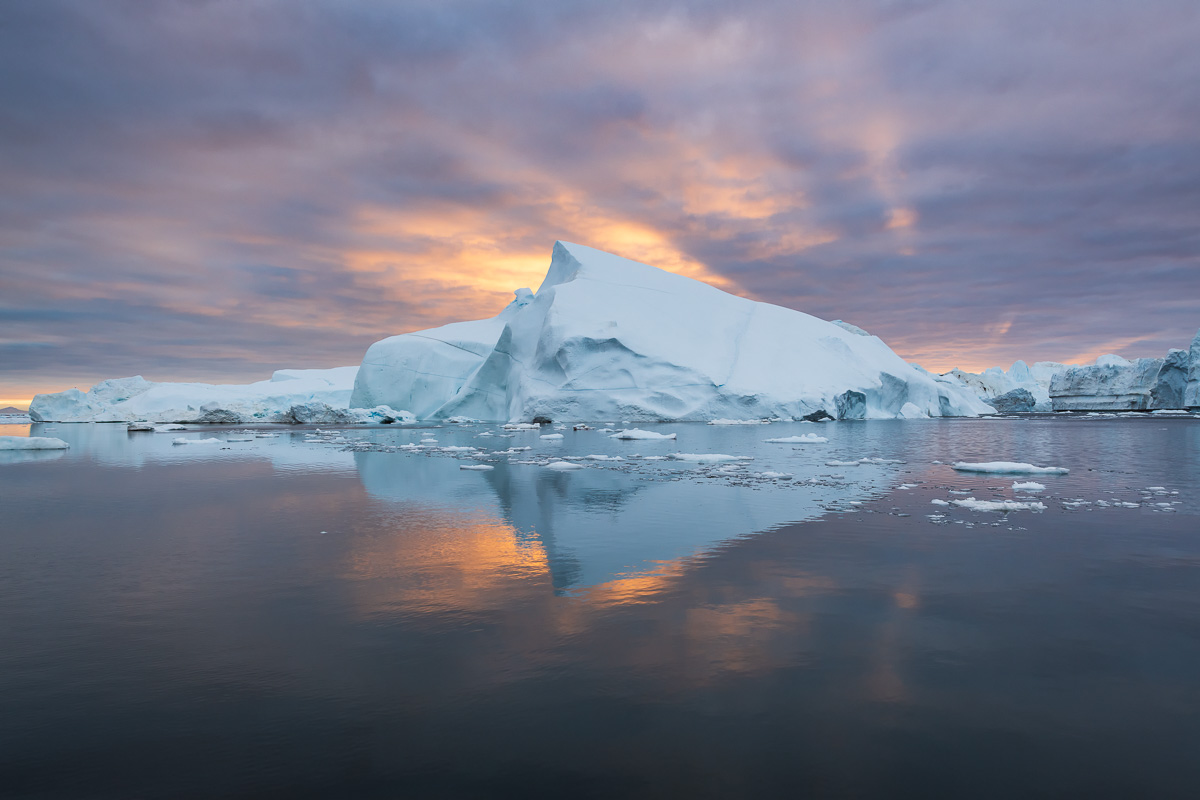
(328, 615)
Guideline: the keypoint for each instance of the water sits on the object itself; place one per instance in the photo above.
(315, 616)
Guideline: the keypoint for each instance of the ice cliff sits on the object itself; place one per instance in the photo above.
(1115, 384)
(291, 395)
(609, 338)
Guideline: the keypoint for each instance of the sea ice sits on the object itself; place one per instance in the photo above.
(476, 467)
(1028, 486)
(563, 466)
(182, 440)
(1008, 467)
(998, 505)
(709, 458)
(552, 436)
(32, 443)
(637, 433)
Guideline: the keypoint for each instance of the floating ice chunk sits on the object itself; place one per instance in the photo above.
(709, 458)
(806, 438)
(738, 422)
(521, 426)
(604, 458)
(1028, 486)
(32, 443)
(938, 502)
(476, 467)
(239, 438)
(841, 463)
(563, 466)
(998, 505)
(1003, 467)
(782, 476)
(638, 433)
(457, 449)
(181, 440)
(1156, 488)
(552, 436)
(429, 441)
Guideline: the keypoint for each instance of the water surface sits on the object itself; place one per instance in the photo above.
(318, 615)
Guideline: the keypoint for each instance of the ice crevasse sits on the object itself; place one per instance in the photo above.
(605, 337)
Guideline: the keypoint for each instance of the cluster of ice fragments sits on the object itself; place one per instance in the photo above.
(1112, 383)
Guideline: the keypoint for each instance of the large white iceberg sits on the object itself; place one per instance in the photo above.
(610, 338)
(291, 395)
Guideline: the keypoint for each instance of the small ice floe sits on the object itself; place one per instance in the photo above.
(140, 427)
(738, 422)
(807, 438)
(637, 433)
(1126, 504)
(777, 476)
(429, 441)
(1028, 486)
(169, 428)
(907, 486)
(476, 467)
(485, 433)
(935, 501)
(1162, 489)
(457, 449)
(239, 438)
(552, 436)
(521, 426)
(603, 458)
(32, 443)
(841, 463)
(998, 505)
(709, 458)
(266, 436)
(563, 466)
(182, 440)
(513, 450)
(581, 427)
(461, 420)
(1008, 467)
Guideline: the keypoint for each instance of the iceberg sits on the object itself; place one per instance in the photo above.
(32, 443)
(1191, 392)
(1111, 384)
(290, 396)
(1008, 467)
(609, 338)
(1021, 388)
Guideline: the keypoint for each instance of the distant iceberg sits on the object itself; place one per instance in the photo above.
(291, 396)
(609, 338)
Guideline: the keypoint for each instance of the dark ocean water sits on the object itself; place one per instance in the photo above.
(328, 616)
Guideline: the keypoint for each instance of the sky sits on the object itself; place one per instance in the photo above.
(213, 190)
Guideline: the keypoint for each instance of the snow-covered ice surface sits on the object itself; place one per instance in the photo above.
(609, 338)
(302, 396)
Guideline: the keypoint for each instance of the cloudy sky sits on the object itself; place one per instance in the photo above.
(211, 190)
